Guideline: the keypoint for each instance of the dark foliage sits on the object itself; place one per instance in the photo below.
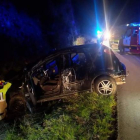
(29, 30)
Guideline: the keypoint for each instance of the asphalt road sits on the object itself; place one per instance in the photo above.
(129, 99)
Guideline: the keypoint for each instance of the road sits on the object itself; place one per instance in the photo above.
(129, 100)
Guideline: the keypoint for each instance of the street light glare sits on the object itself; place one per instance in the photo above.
(107, 35)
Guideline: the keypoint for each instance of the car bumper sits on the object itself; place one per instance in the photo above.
(120, 80)
(121, 77)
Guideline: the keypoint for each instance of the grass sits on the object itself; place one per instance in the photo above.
(85, 116)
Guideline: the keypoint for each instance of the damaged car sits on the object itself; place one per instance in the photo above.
(75, 69)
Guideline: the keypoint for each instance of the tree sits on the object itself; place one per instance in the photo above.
(23, 37)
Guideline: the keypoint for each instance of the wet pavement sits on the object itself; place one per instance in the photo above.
(129, 99)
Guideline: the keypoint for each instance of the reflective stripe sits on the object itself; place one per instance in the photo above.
(1, 97)
(3, 106)
(5, 89)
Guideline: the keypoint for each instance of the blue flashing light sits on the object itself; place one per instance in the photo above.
(99, 34)
(135, 24)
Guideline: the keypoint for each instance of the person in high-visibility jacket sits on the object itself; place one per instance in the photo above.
(4, 86)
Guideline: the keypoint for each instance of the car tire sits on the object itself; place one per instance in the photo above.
(105, 85)
(17, 105)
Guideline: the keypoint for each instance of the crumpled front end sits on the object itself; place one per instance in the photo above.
(121, 77)
(3, 106)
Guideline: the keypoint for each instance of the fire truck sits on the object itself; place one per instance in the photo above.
(131, 39)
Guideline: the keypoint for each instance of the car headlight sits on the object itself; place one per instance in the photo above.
(107, 35)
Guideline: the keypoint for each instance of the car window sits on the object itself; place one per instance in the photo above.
(73, 54)
(48, 69)
(93, 53)
(74, 58)
(51, 67)
(78, 58)
(46, 76)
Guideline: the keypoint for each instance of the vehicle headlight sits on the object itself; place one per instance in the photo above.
(107, 35)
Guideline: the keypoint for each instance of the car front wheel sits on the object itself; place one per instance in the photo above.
(105, 85)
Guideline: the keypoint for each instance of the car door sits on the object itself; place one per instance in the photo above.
(46, 78)
(79, 64)
(74, 72)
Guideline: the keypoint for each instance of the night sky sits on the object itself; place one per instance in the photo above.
(88, 12)
(118, 12)
(126, 11)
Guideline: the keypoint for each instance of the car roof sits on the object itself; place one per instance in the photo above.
(64, 50)
(95, 45)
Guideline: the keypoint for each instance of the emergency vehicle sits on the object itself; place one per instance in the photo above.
(131, 39)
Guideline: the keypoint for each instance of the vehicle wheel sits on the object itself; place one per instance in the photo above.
(122, 50)
(17, 105)
(105, 85)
